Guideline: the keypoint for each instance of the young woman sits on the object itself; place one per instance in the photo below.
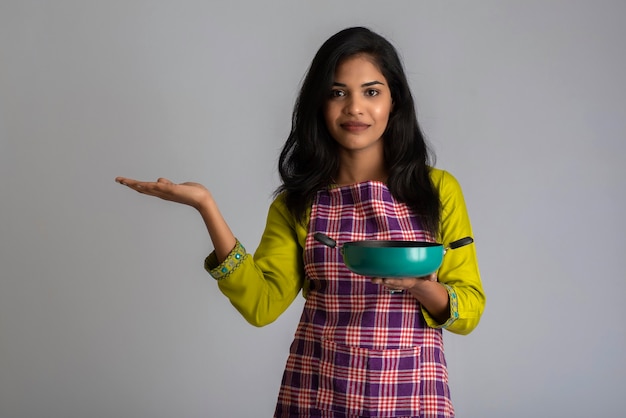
(355, 166)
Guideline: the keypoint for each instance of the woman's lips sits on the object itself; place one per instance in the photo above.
(354, 126)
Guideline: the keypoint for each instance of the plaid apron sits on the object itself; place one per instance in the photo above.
(359, 350)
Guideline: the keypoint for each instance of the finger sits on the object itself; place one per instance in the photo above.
(121, 180)
(392, 282)
(394, 286)
(164, 181)
(429, 278)
(133, 184)
(127, 181)
(144, 187)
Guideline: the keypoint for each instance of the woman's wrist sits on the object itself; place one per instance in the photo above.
(221, 236)
(205, 204)
(433, 296)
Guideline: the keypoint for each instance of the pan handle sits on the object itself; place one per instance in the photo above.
(325, 239)
(460, 243)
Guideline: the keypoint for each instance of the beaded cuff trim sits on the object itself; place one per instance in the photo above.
(454, 307)
(223, 270)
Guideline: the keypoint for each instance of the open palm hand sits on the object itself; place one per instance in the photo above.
(188, 193)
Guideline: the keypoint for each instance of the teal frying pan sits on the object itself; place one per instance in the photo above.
(380, 258)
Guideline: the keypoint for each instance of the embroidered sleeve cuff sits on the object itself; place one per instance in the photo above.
(454, 310)
(220, 271)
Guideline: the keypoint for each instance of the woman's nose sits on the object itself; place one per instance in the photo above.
(354, 106)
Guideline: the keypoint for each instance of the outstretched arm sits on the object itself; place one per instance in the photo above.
(196, 196)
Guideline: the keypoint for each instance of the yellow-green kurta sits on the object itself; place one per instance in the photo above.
(261, 287)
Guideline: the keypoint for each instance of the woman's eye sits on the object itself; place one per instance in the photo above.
(371, 92)
(337, 93)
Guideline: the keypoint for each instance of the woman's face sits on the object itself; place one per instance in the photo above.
(359, 104)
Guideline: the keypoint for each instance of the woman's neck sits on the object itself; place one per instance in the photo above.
(357, 168)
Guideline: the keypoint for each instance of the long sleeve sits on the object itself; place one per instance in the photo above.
(459, 270)
(261, 287)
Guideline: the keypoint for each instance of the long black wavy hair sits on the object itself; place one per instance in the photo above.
(310, 159)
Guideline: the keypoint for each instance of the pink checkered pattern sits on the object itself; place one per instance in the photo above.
(360, 351)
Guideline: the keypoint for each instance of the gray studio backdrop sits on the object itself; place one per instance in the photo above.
(105, 309)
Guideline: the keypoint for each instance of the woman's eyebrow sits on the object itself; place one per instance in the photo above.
(369, 84)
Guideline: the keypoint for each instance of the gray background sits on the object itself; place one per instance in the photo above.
(105, 309)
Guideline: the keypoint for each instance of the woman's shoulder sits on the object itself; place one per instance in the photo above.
(280, 217)
(279, 203)
(442, 178)
(279, 207)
